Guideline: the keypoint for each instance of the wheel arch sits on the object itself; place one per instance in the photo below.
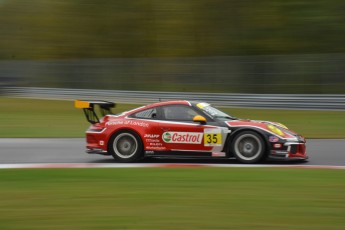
(232, 136)
(118, 154)
(123, 129)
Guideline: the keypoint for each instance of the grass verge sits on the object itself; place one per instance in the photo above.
(172, 198)
(45, 118)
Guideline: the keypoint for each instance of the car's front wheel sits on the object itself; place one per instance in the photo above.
(248, 147)
(125, 146)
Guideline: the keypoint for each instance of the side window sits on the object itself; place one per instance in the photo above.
(178, 113)
(147, 114)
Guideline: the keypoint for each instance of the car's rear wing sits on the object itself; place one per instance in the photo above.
(89, 109)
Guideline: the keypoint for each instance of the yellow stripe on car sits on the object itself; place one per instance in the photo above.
(275, 130)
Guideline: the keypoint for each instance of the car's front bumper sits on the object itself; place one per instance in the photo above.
(293, 151)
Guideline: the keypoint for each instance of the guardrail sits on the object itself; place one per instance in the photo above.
(267, 101)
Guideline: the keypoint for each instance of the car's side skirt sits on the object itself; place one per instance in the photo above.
(180, 153)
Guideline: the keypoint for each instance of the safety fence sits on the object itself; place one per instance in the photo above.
(273, 101)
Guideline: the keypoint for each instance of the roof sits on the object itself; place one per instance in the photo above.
(179, 102)
(162, 103)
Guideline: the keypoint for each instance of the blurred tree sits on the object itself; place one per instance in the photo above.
(49, 29)
(253, 32)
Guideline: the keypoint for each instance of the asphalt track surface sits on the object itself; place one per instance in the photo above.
(326, 152)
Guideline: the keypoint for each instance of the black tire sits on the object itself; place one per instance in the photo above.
(248, 147)
(125, 146)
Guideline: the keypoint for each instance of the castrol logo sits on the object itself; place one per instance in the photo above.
(182, 137)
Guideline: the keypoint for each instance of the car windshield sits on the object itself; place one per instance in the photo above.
(213, 112)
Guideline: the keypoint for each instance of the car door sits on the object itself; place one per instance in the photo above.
(178, 130)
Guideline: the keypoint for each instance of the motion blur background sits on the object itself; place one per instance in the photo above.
(251, 46)
(225, 46)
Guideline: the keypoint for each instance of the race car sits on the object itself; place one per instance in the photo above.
(185, 129)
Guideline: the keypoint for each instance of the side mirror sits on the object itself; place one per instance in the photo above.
(200, 119)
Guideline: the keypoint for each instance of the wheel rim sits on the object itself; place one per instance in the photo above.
(125, 145)
(248, 147)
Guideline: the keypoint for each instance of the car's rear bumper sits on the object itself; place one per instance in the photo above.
(96, 151)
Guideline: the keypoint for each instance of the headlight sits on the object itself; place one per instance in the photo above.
(275, 130)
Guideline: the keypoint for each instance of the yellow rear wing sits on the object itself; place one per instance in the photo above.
(89, 109)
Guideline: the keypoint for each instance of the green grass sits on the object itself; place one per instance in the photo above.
(172, 198)
(45, 118)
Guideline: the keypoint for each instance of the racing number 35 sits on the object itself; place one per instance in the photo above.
(212, 137)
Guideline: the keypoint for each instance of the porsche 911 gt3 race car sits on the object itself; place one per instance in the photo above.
(186, 129)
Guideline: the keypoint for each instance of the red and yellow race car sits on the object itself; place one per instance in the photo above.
(186, 129)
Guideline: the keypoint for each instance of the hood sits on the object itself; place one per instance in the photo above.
(274, 128)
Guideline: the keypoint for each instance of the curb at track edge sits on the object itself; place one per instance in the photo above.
(162, 165)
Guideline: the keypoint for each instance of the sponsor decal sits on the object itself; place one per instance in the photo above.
(114, 123)
(218, 154)
(212, 137)
(279, 152)
(155, 144)
(152, 140)
(137, 123)
(156, 148)
(128, 122)
(182, 137)
(166, 137)
(273, 139)
(277, 146)
(151, 135)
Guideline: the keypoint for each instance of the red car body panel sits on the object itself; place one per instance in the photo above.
(159, 135)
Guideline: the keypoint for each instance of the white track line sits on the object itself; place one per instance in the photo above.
(158, 165)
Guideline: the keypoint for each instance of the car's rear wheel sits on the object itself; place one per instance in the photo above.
(248, 147)
(125, 146)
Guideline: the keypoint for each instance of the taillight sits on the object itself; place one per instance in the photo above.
(90, 139)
